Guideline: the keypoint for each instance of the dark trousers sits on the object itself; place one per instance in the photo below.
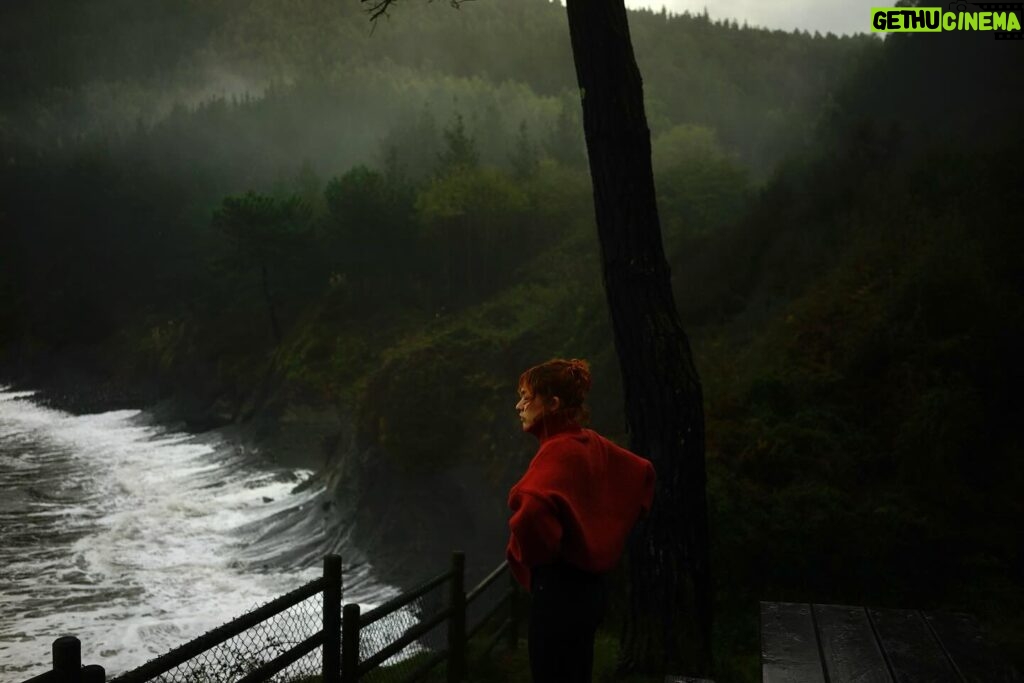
(567, 604)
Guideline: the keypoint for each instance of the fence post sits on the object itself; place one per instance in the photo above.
(332, 619)
(457, 622)
(350, 644)
(67, 658)
(513, 612)
(93, 673)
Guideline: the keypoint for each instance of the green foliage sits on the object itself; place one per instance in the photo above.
(474, 223)
(523, 157)
(260, 228)
(565, 141)
(700, 187)
(267, 249)
(367, 234)
(858, 435)
(460, 150)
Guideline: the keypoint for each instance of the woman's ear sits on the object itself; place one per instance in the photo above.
(554, 403)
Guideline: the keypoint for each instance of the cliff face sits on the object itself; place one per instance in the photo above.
(427, 465)
(408, 525)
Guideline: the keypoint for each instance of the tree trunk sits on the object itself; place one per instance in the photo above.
(668, 621)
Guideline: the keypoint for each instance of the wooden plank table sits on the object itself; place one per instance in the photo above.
(805, 643)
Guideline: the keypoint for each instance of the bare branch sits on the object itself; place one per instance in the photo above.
(379, 8)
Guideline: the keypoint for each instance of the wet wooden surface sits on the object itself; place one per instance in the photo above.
(789, 646)
(913, 654)
(804, 643)
(976, 660)
(848, 645)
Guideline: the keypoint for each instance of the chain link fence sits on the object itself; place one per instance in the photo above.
(254, 647)
(374, 637)
(278, 641)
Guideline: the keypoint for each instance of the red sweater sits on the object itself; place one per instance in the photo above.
(577, 502)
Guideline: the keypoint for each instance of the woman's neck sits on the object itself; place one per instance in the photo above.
(549, 425)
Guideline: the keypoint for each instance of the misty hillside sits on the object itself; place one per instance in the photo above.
(75, 69)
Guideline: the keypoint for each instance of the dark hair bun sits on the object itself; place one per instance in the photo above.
(579, 371)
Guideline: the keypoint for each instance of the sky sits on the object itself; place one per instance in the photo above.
(838, 16)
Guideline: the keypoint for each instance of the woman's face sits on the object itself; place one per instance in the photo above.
(530, 407)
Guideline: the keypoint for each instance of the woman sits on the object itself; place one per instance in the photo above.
(571, 513)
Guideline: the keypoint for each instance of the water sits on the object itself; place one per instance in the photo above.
(136, 538)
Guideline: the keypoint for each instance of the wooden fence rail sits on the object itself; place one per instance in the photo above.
(338, 637)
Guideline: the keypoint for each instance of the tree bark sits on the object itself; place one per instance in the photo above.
(669, 617)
